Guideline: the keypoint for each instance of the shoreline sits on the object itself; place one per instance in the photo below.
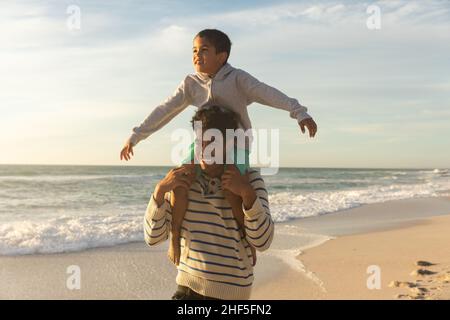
(136, 271)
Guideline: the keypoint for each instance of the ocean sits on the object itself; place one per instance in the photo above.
(59, 208)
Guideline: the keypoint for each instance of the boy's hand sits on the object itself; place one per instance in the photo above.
(126, 151)
(233, 181)
(310, 124)
(182, 176)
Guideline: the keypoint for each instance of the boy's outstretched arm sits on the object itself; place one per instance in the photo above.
(260, 92)
(158, 118)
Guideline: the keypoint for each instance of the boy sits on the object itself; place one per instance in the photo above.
(215, 82)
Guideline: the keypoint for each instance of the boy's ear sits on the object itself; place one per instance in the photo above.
(223, 57)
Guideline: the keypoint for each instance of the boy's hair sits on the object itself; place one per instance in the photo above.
(218, 39)
(215, 117)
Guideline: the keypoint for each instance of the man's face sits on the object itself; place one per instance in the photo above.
(205, 58)
(211, 168)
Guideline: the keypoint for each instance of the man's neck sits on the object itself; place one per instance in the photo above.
(215, 172)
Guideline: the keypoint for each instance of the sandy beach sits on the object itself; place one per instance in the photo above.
(324, 257)
(402, 255)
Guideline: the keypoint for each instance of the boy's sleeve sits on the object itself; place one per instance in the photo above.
(162, 114)
(157, 221)
(260, 92)
(259, 227)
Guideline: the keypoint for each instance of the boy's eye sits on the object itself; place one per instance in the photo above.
(201, 50)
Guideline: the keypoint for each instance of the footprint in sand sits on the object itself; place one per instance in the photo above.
(422, 263)
(419, 290)
(420, 296)
(435, 288)
(424, 288)
(417, 293)
(400, 284)
(422, 272)
(444, 278)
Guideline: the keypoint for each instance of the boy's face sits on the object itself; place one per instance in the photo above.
(205, 58)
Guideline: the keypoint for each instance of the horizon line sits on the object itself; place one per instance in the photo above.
(281, 167)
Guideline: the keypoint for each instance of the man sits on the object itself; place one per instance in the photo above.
(216, 255)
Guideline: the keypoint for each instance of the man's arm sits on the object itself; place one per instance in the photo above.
(158, 216)
(259, 227)
(157, 220)
(161, 115)
(260, 92)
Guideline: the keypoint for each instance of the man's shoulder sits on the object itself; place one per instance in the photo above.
(254, 174)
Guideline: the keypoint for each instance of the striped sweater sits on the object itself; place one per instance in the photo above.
(216, 259)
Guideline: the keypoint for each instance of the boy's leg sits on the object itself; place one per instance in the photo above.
(179, 204)
(236, 206)
(242, 163)
(242, 160)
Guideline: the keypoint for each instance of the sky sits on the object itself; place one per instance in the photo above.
(380, 97)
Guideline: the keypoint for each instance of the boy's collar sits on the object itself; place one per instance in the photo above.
(223, 71)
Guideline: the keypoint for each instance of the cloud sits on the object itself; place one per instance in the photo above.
(326, 13)
(121, 64)
(365, 129)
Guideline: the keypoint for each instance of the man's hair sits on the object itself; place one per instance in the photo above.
(218, 39)
(215, 117)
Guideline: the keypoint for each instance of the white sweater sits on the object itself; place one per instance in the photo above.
(216, 259)
(231, 88)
